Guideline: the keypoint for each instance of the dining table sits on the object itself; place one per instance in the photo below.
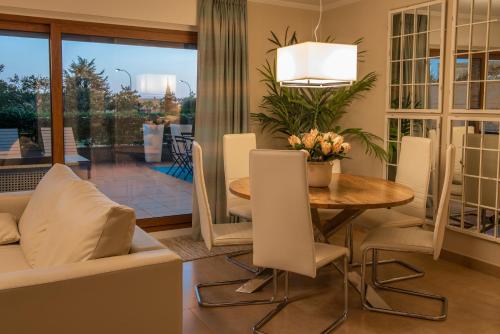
(349, 196)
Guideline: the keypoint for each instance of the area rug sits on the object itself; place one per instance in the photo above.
(189, 249)
(174, 171)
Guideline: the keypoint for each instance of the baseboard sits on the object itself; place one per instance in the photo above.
(484, 267)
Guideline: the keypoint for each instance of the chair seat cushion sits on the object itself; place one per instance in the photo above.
(386, 218)
(240, 207)
(412, 239)
(326, 253)
(8, 229)
(232, 234)
(12, 259)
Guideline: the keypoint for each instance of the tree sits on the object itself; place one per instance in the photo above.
(170, 105)
(85, 88)
(188, 109)
(125, 100)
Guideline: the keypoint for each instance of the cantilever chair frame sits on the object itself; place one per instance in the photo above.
(257, 328)
(422, 294)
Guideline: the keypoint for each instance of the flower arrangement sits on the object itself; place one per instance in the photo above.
(320, 147)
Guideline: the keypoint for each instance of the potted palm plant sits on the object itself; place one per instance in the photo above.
(295, 111)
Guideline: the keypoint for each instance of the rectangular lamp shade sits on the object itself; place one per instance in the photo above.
(155, 84)
(313, 64)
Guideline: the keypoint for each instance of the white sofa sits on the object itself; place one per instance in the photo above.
(139, 292)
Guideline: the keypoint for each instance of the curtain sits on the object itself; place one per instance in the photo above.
(222, 94)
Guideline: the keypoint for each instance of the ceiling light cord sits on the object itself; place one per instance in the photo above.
(319, 20)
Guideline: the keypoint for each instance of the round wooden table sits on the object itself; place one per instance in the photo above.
(352, 194)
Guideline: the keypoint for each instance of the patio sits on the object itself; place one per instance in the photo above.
(149, 192)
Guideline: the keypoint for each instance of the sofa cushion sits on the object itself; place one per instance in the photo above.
(12, 259)
(35, 219)
(8, 229)
(85, 225)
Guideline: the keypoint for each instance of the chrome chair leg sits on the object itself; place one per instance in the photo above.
(367, 306)
(257, 328)
(349, 243)
(206, 303)
(231, 258)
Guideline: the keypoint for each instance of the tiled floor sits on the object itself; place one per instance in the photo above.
(150, 193)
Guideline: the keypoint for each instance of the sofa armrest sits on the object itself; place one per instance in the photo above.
(129, 294)
(15, 202)
(142, 242)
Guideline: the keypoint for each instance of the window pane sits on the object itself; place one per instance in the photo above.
(435, 12)
(393, 152)
(421, 46)
(495, 11)
(480, 11)
(422, 19)
(476, 90)
(494, 38)
(25, 110)
(464, 11)
(419, 97)
(420, 71)
(394, 97)
(461, 68)
(493, 95)
(474, 131)
(478, 66)
(395, 72)
(391, 173)
(462, 39)
(459, 96)
(128, 114)
(408, 47)
(434, 44)
(407, 72)
(396, 24)
(409, 22)
(478, 37)
(393, 129)
(488, 193)
(405, 127)
(418, 128)
(432, 96)
(433, 75)
(396, 48)
(406, 98)
(494, 66)
(471, 188)
(489, 159)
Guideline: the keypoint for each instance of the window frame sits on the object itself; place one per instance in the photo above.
(454, 26)
(440, 85)
(56, 28)
(461, 229)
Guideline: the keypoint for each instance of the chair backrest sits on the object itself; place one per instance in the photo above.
(186, 128)
(414, 171)
(202, 197)
(175, 131)
(442, 213)
(9, 144)
(281, 217)
(236, 151)
(70, 147)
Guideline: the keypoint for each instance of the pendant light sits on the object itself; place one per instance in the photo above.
(316, 64)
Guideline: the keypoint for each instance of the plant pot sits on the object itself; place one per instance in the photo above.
(153, 142)
(319, 174)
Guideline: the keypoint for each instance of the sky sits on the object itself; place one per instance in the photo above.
(26, 56)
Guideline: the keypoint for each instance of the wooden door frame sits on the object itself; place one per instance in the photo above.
(56, 28)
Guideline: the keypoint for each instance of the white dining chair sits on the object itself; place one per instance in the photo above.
(412, 240)
(218, 234)
(236, 148)
(283, 233)
(414, 169)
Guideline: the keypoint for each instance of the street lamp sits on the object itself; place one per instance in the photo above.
(189, 86)
(129, 76)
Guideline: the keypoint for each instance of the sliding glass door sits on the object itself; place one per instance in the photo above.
(121, 101)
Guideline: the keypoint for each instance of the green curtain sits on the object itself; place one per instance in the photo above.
(222, 94)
